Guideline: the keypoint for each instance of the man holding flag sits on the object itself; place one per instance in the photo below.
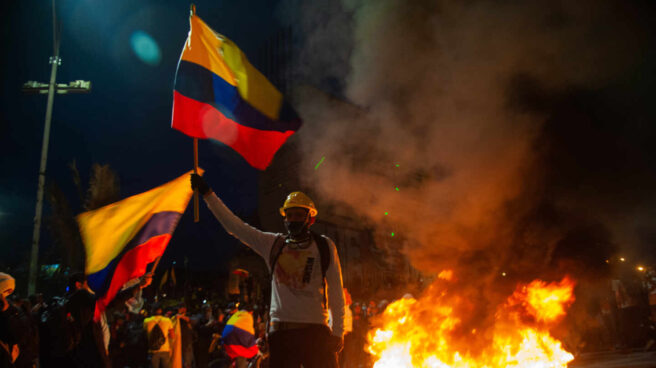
(121, 240)
(219, 95)
(90, 349)
(306, 282)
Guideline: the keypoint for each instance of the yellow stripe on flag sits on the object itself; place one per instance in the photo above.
(107, 230)
(242, 320)
(252, 85)
(203, 48)
(221, 56)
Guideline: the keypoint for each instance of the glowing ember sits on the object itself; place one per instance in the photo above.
(445, 275)
(428, 333)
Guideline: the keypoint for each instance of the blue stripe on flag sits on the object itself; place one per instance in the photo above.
(195, 82)
(160, 223)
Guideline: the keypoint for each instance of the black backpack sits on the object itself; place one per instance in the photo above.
(156, 338)
(324, 255)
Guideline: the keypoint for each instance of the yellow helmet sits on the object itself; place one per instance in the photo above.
(299, 199)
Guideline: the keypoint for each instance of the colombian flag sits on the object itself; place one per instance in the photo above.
(220, 95)
(239, 336)
(122, 238)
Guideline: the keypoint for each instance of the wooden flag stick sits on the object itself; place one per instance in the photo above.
(192, 11)
(196, 215)
(152, 270)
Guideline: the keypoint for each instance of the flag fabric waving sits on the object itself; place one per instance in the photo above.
(239, 336)
(219, 95)
(122, 238)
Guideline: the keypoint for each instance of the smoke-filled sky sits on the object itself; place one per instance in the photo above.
(519, 134)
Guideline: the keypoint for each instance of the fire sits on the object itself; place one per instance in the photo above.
(433, 332)
(446, 275)
(547, 302)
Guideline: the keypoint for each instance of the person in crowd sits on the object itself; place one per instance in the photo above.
(71, 336)
(89, 349)
(230, 309)
(630, 316)
(117, 344)
(303, 265)
(239, 337)
(206, 326)
(220, 315)
(186, 337)
(159, 332)
(372, 309)
(38, 305)
(28, 333)
(135, 349)
(9, 348)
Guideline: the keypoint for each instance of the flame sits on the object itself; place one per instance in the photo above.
(429, 333)
(546, 302)
(446, 275)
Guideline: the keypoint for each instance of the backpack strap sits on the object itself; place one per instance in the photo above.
(274, 254)
(324, 252)
(324, 255)
(276, 250)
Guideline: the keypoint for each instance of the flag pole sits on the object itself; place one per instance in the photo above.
(152, 270)
(192, 11)
(196, 216)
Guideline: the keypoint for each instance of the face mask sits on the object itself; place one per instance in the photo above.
(295, 228)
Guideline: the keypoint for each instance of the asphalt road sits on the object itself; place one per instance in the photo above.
(636, 359)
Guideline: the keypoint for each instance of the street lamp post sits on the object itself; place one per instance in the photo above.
(50, 89)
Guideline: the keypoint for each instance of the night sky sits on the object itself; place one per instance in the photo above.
(123, 122)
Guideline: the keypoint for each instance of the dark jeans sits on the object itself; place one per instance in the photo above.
(241, 362)
(161, 359)
(307, 346)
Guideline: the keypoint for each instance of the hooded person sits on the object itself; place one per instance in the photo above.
(306, 281)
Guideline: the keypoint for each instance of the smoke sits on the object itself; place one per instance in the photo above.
(484, 134)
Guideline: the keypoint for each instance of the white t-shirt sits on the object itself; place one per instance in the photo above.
(296, 286)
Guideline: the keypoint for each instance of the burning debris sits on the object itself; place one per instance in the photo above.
(433, 331)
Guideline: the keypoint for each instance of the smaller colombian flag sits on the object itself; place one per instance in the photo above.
(239, 336)
(220, 95)
(122, 238)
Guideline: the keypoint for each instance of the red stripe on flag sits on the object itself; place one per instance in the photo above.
(201, 120)
(132, 264)
(234, 351)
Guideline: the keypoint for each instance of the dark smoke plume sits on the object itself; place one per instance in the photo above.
(517, 133)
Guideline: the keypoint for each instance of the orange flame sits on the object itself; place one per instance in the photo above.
(427, 333)
(446, 275)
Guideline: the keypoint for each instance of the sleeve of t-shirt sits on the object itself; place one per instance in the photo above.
(260, 241)
(335, 291)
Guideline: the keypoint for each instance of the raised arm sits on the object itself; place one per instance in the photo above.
(256, 239)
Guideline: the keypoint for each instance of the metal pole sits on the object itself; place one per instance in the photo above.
(34, 256)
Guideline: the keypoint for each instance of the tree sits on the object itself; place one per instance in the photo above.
(103, 189)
